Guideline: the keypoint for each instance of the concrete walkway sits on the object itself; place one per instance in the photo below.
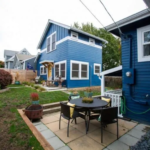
(129, 134)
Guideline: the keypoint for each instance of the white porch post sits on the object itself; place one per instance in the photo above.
(102, 85)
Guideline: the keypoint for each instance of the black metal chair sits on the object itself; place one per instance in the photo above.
(96, 110)
(108, 116)
(65, 113)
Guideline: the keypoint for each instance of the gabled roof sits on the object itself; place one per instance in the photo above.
(21, 57)
(67, 27)
(10, 52)
(133, 18)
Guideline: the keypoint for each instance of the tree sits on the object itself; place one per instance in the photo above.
(112, 51)
(1, 64)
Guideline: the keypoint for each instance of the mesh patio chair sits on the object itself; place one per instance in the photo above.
(108, 116)
(65, 113)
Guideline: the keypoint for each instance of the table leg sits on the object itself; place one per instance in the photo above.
(88, 120)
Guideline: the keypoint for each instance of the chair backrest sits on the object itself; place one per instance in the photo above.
(109, 114)
(65, 109)
(107, 98)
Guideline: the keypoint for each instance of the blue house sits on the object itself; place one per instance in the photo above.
(68, 52)
(135, 69)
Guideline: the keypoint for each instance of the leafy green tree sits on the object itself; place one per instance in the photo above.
(1, 64)
(111, 51)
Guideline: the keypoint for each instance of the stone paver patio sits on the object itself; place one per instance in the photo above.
(129, 134)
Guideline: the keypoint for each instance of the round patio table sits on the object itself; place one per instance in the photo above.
(97, 103)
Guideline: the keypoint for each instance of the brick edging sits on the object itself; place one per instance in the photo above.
(4, 90)
(37, 134)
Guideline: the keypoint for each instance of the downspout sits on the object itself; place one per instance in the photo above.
(90, 75)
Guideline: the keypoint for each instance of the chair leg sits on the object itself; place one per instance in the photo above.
(68, 128)
(75, 120)
(60, 122)
(117, 129)
(101, 132)
(72, 120)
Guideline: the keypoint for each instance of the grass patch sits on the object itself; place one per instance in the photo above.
(15, 134)
(94, 93)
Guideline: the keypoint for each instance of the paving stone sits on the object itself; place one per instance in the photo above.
(105, 149)
(49, 119)
(85, 143)
(118, 145)
(136, 133)
(41, 127)
(64, 148)
(55, 142)
(47, 134)
(140, 127)
(128, 140)
(37, 123)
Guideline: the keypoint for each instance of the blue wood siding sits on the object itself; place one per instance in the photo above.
(59, 54)
(86, 38)
(60, 34)
(142, 81)
(81, 52)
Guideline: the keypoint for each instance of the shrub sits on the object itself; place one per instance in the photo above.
(41, 89)
(5, 79)
(37, 87)
(25, 83)
(32, 84)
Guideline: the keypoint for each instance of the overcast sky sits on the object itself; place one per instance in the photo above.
(22, 21)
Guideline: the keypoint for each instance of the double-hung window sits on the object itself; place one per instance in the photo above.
(143, 39)
(51, 42)
(97, 69)
(60, 69)
(43, 70)
(79, 70)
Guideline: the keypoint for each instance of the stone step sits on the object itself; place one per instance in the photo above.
(51, 110)
(51, 105)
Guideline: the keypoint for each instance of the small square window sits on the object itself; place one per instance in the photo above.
(91, 41)
(74, 35)
(97, 69)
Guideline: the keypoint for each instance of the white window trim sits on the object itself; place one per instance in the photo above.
(43, 69)
(95, 64)
(140, 32)
(90, 42)
(74, 37)
(80, 63)
(51, 42)
(59, 63)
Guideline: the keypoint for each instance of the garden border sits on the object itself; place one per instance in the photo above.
(4, 90)
(37, 134)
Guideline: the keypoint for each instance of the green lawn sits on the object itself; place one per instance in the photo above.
(13, 129)
(94, 93)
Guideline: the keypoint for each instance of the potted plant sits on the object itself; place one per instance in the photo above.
(34, 111)
(16, 78)
(87, 100)
(35, 98)
(60, 81)
(88, 92)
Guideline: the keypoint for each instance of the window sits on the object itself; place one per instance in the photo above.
(97, 69)
(143, 36)
(43, 70)
(74, 35)
(79, 70)
(60, 69)
(91, 41)
(51, 42)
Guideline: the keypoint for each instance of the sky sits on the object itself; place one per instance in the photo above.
(22, 22)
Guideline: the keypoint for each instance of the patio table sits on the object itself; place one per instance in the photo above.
(97, 103)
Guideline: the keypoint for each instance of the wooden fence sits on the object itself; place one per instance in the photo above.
(24, 75)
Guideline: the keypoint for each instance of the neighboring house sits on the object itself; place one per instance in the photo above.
(20, 62)
(7, 55)
(74, 55)
(135, 42)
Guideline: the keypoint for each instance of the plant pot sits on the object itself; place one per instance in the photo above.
(88, 94)
(34, 111)
(17, 82)
(35, 102)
